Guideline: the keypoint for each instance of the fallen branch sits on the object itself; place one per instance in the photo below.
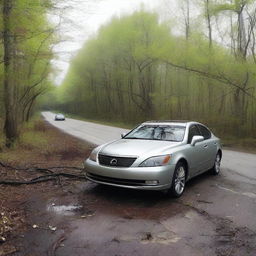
(66, 167)
(38, 168)
(49, 171)
(61, 174)
(56, 245)
(18, 183)
(204, 201)
(41, 179)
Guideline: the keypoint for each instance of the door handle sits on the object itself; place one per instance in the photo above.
(206, 146)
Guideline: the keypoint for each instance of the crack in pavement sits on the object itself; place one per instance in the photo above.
(248, 194)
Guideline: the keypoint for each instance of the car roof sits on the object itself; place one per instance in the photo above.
(168, 121)
(178, 122)
(173, 122)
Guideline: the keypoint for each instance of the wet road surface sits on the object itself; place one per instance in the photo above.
(215, 216)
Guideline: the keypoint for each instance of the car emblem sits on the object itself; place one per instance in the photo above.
(113, 161)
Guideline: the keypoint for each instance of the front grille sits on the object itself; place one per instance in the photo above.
(116, 161)
(117, 181)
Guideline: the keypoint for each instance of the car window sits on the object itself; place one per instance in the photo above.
(157, 132)
(193, 131)
(205, 132)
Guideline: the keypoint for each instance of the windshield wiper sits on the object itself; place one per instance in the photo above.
(136, 138)
(133, 138)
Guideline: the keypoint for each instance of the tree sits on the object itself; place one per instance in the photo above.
(27, 40)
(10, 126)
(136, 69)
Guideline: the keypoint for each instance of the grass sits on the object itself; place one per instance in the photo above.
(40, 142)
(240, 144)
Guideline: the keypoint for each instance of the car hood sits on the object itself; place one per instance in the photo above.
(135, 147)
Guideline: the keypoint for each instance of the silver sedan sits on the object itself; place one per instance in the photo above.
(156, 155)
(59, 117)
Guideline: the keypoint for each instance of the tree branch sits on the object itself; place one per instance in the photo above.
(220, 78)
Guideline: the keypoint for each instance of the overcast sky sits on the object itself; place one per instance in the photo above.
(82, 18)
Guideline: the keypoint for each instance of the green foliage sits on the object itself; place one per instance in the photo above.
(31, 51)
(234, 6)
(136, 69)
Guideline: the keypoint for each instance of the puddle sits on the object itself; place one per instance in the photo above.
(64, 210)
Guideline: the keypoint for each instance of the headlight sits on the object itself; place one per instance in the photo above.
(156, 161)
(93, 155)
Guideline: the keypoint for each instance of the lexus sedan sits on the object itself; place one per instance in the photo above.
(59, 117)
(156, 155)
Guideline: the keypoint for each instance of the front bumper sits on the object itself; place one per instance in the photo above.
(131, 177)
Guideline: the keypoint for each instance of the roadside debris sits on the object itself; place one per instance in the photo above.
(6, 225)
(56, 245)
(35, 226)
(87, 215)
(49, 174)
(2, 239)
(7, 250)
(204, 201)
(52, 228)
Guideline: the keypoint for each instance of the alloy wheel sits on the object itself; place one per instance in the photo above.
(179, 183)
(217, 163)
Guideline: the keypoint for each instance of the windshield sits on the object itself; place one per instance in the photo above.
(157, 132)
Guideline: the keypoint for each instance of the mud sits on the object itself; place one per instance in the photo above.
(97, 220)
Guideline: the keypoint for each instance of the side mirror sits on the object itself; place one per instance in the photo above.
(196, 139)
(123, 134)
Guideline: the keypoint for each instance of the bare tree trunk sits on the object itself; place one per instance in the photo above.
(187, 19)
(10, 126)
(241, 37)
(208, 19)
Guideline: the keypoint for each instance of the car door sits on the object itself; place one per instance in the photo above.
(210, 147)
(196, 153)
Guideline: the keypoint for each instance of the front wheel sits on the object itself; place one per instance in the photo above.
(216, 168)
(178, 180)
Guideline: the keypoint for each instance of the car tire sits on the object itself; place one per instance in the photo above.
(178, 181)
(216, 168)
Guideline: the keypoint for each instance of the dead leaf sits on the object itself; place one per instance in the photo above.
(7, 250)
(52, 228)
(2, 239)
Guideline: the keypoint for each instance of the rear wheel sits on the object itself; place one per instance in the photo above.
(216, 168)
(178, 180)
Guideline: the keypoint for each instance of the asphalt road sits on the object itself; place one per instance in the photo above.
(243, 164)
(214, 217)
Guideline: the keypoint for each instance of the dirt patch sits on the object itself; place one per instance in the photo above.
(41, 146)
